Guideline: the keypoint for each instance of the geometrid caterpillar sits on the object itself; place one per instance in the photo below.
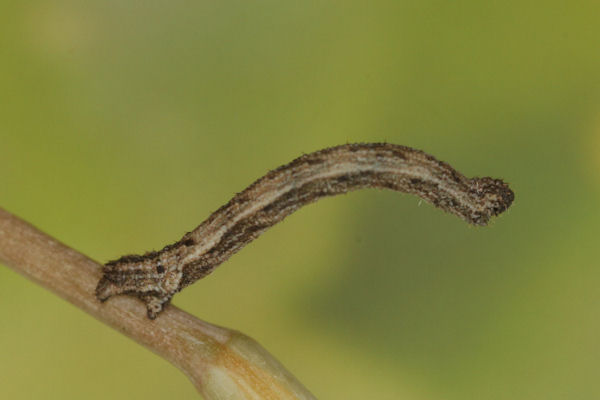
(156, 276)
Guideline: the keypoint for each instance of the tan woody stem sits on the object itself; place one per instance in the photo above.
(220, 362)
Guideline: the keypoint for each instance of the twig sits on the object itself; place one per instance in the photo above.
(221, 363)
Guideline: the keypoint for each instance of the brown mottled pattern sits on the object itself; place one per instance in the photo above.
(156, 276)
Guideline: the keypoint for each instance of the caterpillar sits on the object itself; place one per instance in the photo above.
(156, 276)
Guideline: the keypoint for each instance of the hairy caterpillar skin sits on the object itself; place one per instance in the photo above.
(156, 276)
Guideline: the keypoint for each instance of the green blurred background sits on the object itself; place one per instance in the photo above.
(123, 124)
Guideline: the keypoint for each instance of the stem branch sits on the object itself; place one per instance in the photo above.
(220, 362)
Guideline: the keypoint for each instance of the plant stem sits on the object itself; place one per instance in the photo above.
(221, 363)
